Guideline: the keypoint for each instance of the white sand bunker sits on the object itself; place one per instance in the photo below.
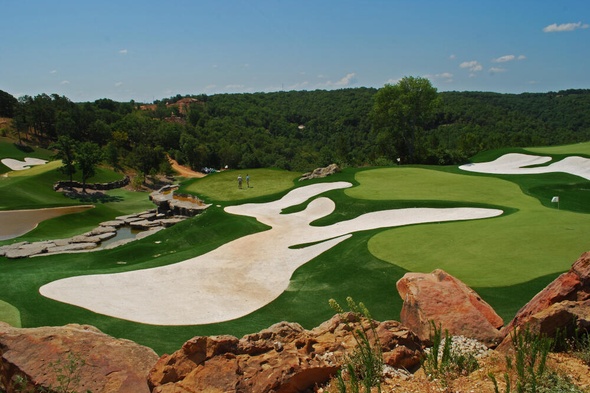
(240, 276)
(520, 164)
(16, 165)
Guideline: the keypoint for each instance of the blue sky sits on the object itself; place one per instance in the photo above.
(146, 50)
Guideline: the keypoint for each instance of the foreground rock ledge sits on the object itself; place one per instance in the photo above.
(111, 365)
(284, 358)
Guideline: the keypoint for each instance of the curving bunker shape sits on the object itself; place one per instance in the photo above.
(526, 164)
(243, 275)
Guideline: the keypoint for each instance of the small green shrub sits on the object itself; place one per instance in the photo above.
(364, 366)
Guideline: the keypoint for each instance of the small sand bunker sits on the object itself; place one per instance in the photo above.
(16, 165)
(526, 164)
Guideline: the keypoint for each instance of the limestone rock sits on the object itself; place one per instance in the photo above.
(320, 172)
(102, 229)
(110, 365)
(113, 223)
(450, 304)
(283, 358)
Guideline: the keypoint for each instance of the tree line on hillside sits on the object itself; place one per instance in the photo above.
(409, 122)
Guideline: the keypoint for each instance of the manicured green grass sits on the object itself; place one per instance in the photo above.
(491, 252)
(575, 149)
(223, 186)
(507, 259)
(9, 150)
(9, 314)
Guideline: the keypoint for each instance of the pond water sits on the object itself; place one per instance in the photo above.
(15, 223)
(123, 233)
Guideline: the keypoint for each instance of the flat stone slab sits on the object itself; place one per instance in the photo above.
(112, 223)
(85, 239)
(107, 235)
(144, 224)
(72, 247)
(102, 229)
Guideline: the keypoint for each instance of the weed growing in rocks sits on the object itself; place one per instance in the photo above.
(526, 366)
(362, 368)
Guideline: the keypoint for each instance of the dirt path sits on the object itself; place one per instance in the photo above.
(183, 170)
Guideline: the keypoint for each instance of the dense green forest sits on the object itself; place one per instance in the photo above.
(295, 130)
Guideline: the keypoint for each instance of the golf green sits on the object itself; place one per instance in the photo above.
(528, 241)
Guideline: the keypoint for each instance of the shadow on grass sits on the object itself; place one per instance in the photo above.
(96, 197)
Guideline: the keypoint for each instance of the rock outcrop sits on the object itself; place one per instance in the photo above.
(562, 305)
(92, 186)
(441, 298)
(101, 363)
(171, 203)
(320, 172)
(283, 358)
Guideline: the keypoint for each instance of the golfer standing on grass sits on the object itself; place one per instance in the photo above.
(239, 181)
(247, 180)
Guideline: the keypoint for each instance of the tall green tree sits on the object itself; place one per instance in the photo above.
(7, 104)
(88, 156)
(405, 110)
(65, 148)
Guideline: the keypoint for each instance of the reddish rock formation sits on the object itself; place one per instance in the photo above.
(562, 305)
(107, 364)
(283, 358)
(448, 302)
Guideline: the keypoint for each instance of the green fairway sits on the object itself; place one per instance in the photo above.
(578, 148)
(223, 186)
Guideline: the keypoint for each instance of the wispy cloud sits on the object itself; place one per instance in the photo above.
(444, 76)
(507, 58)
(473, 65)
(346, 80)
(504, 59)
(53, 72)
(118, 84)
(64, 82)
(452, 57)
(495, 70)
(555, 28)
(123, 51)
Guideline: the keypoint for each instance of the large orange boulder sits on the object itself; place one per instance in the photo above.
(447, 302)
(43, 358)
(563, 305)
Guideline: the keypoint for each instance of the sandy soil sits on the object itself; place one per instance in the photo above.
(16, 165)
(14, 223)
(243, 275)
(183, 170)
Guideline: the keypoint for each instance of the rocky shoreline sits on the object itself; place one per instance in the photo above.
(148, 222)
